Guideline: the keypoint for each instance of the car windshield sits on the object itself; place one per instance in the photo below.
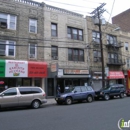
(68, 89)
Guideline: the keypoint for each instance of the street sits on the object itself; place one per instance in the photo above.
(98, 115)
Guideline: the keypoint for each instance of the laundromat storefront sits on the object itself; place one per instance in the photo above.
(22, 73)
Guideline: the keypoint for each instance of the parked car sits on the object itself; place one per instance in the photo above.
(22, 96)
(77, 93)
(110, 91)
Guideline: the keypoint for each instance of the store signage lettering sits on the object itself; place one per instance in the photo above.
(68, 71)
(12, 68)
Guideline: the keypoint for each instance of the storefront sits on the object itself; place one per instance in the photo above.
(116, 77)
(22, 73)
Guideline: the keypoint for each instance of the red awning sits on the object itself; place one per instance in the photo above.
(116, 75)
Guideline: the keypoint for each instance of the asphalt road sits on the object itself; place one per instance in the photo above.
(99, 115)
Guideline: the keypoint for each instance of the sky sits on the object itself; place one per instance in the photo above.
(85, 7)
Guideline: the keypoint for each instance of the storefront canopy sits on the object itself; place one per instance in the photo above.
(116, 75)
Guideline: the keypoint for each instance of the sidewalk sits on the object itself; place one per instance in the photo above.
(51, 101)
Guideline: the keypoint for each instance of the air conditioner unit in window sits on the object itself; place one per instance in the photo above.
(32, 56)
(3, 24)
(2, 52)
(55, 57)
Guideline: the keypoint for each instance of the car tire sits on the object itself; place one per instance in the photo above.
(121, 95)
(59, 103)
(35, 104)
(68, 100)
(106, 97)
(89, 98)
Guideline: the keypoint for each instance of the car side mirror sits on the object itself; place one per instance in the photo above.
(2, 94)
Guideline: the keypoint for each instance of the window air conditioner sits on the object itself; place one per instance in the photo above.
(3, 24)
(2, 52)
(32, 56)
(55, 57)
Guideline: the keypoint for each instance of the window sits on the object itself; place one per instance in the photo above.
(128, 62)
(111, 40)
(54, 52)
(126, 46)
(36, 90)
(10, 92)
(25, 91)
(54, 30)
(32, 25)
(83, 88)
(75, 54)
(77, 89)
(32, 50)
(8, 21)
(97, 56)
(74, 33)
(113, 57)
(96, 37)
(7, 48)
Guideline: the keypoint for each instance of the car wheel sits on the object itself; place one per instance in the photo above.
(35, 104)
(121, 95)
(59, 103)
(106, 97)
(68, 100)
(89, 98)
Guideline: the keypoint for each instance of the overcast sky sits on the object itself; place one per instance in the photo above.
(113, 7)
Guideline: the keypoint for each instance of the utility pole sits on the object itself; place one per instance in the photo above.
(97, 14)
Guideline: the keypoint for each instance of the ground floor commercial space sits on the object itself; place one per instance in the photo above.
(15, 73)
(66, 78)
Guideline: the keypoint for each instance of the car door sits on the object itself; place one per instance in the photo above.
(9, 98)
(77, 93)
(113, 90)
(84, 92)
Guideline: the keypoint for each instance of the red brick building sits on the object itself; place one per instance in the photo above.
(122, 20)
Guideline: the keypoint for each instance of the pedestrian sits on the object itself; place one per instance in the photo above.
(58, 89)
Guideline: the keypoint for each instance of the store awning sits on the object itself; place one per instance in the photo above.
(116, 75)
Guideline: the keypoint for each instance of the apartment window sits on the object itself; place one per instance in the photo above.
(75, 54)
(128, 62)
(126, 46)
(8, 21)
(74, 33)
(54, 30)
(111, 39)
(97, 56)
(32, 50)
(7, 48)
(32, 25)
(113, 57)
(96, 37)
(54, 52)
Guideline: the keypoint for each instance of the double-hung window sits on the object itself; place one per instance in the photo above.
(126, 46)
(111, 40)
(97, 56)
(8, 21)
(74, 33)
(7, 48)
(128, 62)
(96, 37)
(32, 25)
(54, 29)
(32, 50)
(75, 54)
(54, 52)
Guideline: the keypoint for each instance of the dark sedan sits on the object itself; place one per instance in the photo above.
(77, 93)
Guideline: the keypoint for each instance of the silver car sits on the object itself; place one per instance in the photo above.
(22, 96)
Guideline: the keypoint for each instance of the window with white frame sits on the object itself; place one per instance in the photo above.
(54, 29)
(32, 25)
(97, 56)
(128, 62)
(96, 37)
(32, 50)
(7, 48)
(8, 21)
(111, 39)
(126, 46)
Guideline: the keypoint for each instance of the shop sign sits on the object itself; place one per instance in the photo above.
(72, 71)
(60, 72)
(1, 82)
(13, 68)
(54, 67)
(116, 75)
